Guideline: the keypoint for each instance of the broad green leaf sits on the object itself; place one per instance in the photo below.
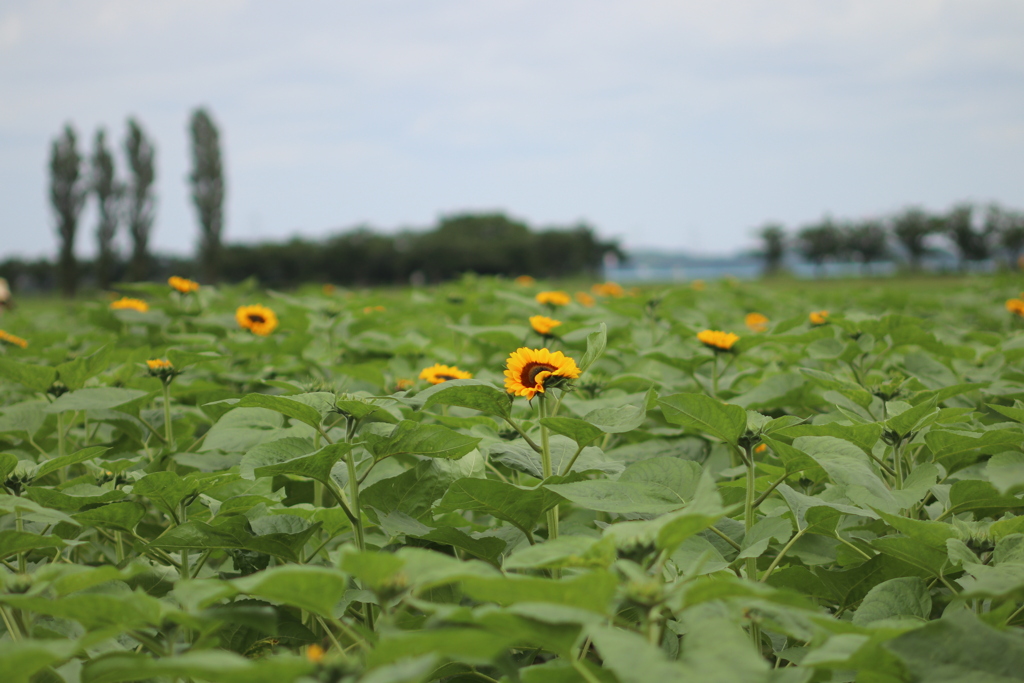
(580, 431)
(624, 497)
(8, 461)
(432, 441)
(981, 498)
(468, 393)
(209, 665)
(1006, 471)
(19, 659)
(315, 465)
(240, 429)
(289, 406)
(412, 492)
(83, 455)
(705, 414)
(756, 542)
(166, 490)
(315, 589)
(913, 418)
(74, 373)
(681, 476)
(522, 507)
(123, 516)
(32, 511)
(622, 418)
(563, 552)
(14, 542)
(904, 597)
(24, 418)
(592, 590)
(863, 435)
(35, 377)
(596, 344)
(850, 390)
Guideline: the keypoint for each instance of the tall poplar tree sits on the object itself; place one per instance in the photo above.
(67, 195)
(207, 180)
(109, 192)
(141, 201)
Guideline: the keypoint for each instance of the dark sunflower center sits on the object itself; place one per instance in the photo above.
(446, 377)
(531, 370)
(256, 318)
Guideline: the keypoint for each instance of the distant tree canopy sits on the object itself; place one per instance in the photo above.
(487, 244)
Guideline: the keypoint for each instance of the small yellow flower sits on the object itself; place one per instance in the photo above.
(436, 374)
(401, 384)
(258, 319)
(556, 298)
(328, 289)
(315, 653)
(818, 317)
(543, 325)
(14, 340)
(525, 280)
(126, 303)
(608, 289)
(697, 285)
(527, 370)
(183, 285)
(159, 364)
(756, 322)
(760, 448)
(372, 309)
(585, 299)
(1015, 306)
(716, 340)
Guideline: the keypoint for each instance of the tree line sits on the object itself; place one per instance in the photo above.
(129, 202)
(973, 233)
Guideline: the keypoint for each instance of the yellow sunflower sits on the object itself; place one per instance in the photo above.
(556, 298)
(257, 319)
(126, 303)
(1015, 306)
(159, 364)
(818, 317)
(183, 285)
(525, 280)
(697, 285)
(403, 384)
(756, 322)
(716, 340)
(543, 325)
(608, 289)
(585, 299)
(315, 653)
(14, 340)
(527, 370)
(436, 374)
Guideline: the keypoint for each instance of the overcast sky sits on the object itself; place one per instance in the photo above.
(672, 124)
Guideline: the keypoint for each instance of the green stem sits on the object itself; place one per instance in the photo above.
(12, 628)
(714, 378)
(521, 433)
(760, 499)
(572, 461)
(545, 463)
(583, 671)
(168, 429)
(353, 482)
(725, 538)
(119, 547)
(61, 448)
(782, 553)
(19, 524)
(748, 523)
(897, 461)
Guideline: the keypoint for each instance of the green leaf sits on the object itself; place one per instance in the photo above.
(596, 344)
(520, 506)
(123, 516)
(563, 552)
(592, 591)
(239, 430)
(619, 496)
(166, 490)
(19, 659)
(14, 542)
(622, 418)
(412, 492)
(183, 359)
(580, 431)
(289, 406)
(103, 398)
(314, 589)
(703, 413)
(35, 377)
(981, 498)
(315, 465)
(430, 440)
(23, 419)
(468, 393)
(54, 464)
(756, 541)
(74, 373)
(850, 390)
(865, 436)
(851, 470)
(209, 665)
(914, 418)
(681, 476)
(903, 597)
(8, 461)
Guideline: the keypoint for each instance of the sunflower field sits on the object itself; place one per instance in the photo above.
(500, 481)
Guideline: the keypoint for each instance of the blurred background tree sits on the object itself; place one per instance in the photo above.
(67, 195)
(866, 241)
(773, 249)
(972, 244)
(1009, 226)
(109, 193)
(207, 180)
(821, 242)
(911, 228)
(140, 198)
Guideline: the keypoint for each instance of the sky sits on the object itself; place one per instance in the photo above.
(664, 124)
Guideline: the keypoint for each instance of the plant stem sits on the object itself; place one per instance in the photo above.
(168, 429)
(782, 554)
(545, 463)
(19, 524)
(748, 523)
(521, 433)
(897, 463)
(61, 448)
(357, 521)
(714, 378)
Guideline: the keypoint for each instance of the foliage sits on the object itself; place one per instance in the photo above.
(821, 242)
(825, 503)
(773, 251)
(207, 180)
(973, 244)
(67, 195)
(866, 241)
(912, 228)
(140, 199)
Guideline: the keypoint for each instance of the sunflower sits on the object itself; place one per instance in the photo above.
(697, 285)
(315, 653)
(183, 285)
(13, 340)
(403, 384)
(527, 370)
(525, 280)
(543, 325)
(257, 319)
(585, 299)
(716, 340)
(756, 322)
(608, 289)
(126, 303)
(436, 374)
(159, 364)
(162, 369)
(1015, 306)
(374, 309)
(818, 317)
(556, 298)
(760, 448)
